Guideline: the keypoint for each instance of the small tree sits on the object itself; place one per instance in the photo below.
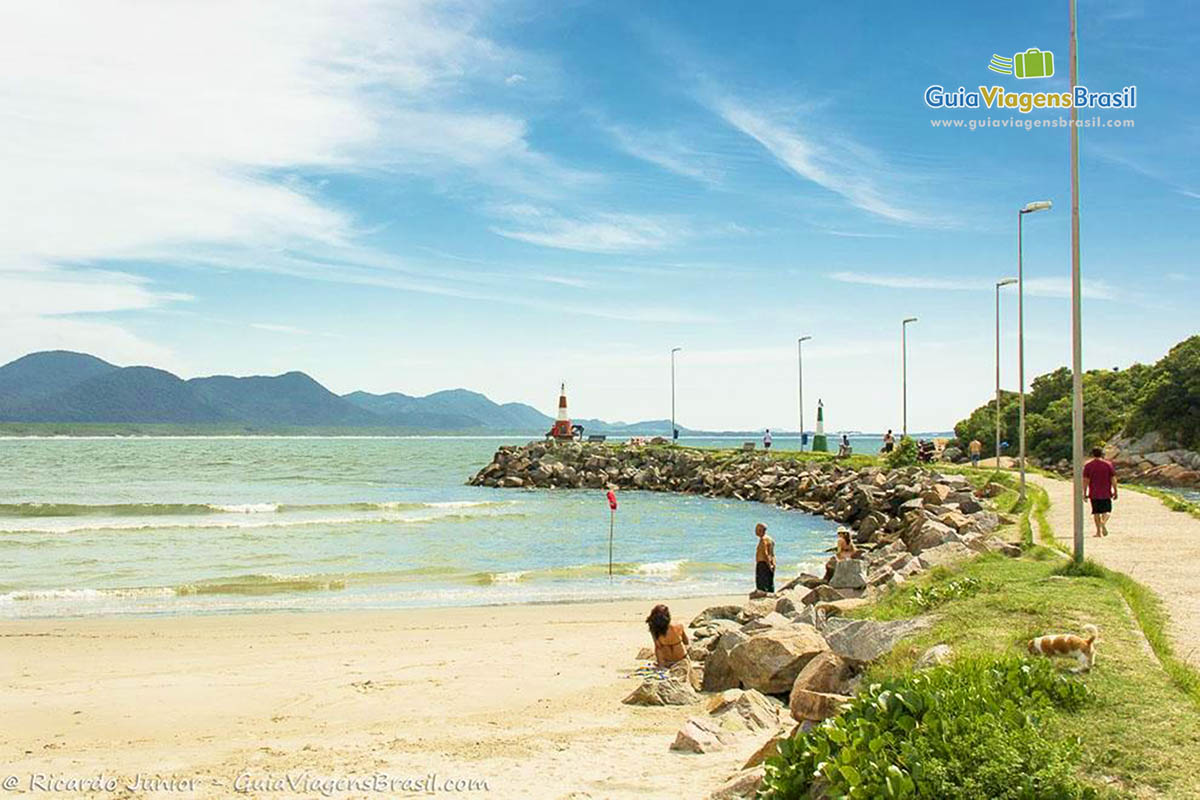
(905, 454)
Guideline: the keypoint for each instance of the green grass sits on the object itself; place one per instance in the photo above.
(1169, 499)
(1141, 736)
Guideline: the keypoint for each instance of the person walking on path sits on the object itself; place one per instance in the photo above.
(767, 440)
(764, 560)
(1100, 487)
(976, 450)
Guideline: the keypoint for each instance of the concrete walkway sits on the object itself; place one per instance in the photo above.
(1147, 541)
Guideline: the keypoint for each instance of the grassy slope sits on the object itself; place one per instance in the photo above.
(1141, 738)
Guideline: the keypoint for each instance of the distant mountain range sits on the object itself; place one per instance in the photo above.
(63, 387)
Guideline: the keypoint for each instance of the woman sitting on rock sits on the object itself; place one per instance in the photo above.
(845, 547)
(670, 640)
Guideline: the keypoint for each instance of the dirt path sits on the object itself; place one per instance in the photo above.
(1150, 543)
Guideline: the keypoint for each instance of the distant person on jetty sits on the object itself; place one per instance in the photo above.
(889, 441)
(975, 448)
(845, 547)
(670, 639)
(845, 450)
(767, 440)
(1100, 487)
(764, 560)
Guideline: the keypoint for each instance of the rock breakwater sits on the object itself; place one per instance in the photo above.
(919, 508)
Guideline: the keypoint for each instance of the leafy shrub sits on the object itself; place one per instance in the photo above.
(923, 598)
(904, 455)
(972, 729)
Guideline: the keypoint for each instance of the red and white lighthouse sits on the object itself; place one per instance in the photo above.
(562, 425)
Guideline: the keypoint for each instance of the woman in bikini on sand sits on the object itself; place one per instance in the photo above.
(670, 639)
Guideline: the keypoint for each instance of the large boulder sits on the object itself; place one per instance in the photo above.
(719, 674)
(662, 692)
(820, 594)
(701, 735)
(770, 661)
(930, 534)
(769, 748)
(758, 607)
(826, 672)
(714, 628)
(849, 574)
(944, 555)
(861, 641)
(730, 612)
(815, 706)
(743, 785)
(752, 710)
(772, 620)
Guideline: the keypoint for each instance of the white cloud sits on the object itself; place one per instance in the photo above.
(1038, 287)
(834, 162)
(666, 151)
(514, 79)
(273, 328)
(600, 233)
(175, 134)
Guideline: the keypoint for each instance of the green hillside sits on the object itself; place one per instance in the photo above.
(1163, 397)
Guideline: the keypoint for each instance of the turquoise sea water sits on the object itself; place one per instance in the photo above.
(196, 525)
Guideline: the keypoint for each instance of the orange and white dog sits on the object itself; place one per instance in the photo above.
(1068, 644)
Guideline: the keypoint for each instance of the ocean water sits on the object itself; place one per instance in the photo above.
(94, 526)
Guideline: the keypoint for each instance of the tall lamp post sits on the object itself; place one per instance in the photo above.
(1005, 282)
(674, 430)
(800, 367)
(1076, 312)
(904, 372)
(1040, 205)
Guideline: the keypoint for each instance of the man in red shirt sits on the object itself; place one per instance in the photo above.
(1100, 487)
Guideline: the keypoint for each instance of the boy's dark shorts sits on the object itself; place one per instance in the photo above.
(1101, 505)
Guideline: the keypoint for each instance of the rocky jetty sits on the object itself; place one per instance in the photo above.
(910, 510)
(1153, 459)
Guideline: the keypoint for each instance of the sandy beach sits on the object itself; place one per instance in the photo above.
(524, 698)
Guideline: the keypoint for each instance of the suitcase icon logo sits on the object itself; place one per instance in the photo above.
(1033, 63)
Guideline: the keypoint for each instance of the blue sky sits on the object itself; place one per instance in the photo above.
(416, 196)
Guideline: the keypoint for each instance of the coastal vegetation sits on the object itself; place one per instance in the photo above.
(977, 728)
(1163, 397)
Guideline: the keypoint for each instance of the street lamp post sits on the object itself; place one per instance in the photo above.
(904, 372)
(800, 368)
(674, 436)
(1040, 205)
(1076, 310)
(1005, 282)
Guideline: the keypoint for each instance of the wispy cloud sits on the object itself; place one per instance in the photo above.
(598, 233)
(836, 163)
(1038, 287)
(160, 150)
(274, 328)
(667, 151)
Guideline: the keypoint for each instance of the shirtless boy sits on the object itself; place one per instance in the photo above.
(764, 560)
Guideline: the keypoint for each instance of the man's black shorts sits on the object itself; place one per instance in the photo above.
(764, 577)
(1101, 505)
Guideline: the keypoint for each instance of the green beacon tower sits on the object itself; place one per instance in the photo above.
(820, 443)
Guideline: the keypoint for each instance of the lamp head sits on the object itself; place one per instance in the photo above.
(676, 349)
(803, 338)
(1006, 282)
(1037, 205)
(910, 319)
